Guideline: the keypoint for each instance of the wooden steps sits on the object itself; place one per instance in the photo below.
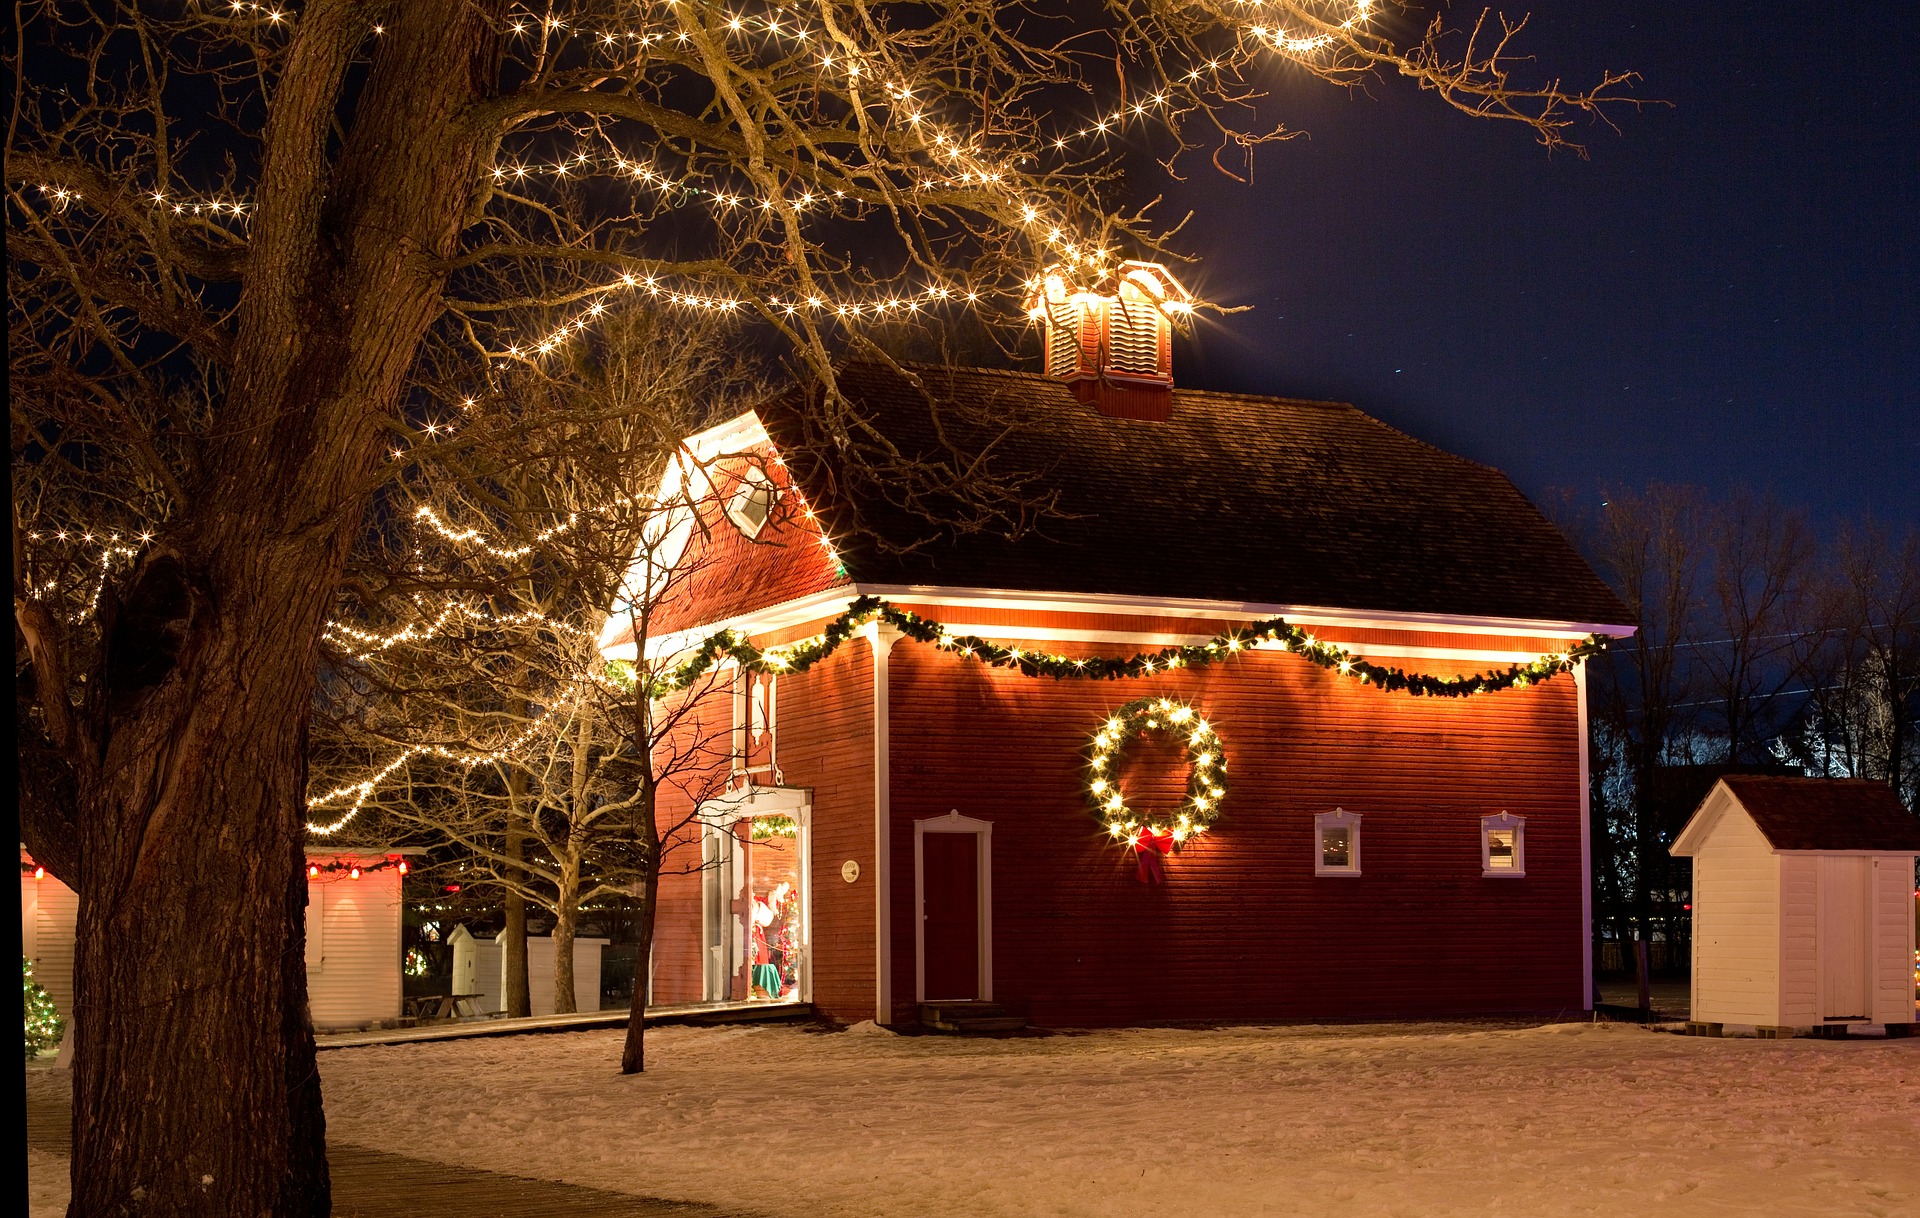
(969, 1018)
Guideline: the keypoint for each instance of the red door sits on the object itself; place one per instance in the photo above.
(950, 891)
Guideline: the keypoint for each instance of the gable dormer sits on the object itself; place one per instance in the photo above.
(1112, 341)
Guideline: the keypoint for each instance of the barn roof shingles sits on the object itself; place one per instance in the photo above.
(1235, 498)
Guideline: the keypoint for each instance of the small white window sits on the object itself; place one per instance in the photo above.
(1503, 845)
(1336, 843)
(753, 501)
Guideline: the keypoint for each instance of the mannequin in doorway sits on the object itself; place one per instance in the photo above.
(766, 973)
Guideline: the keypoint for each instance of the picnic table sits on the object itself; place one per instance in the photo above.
(443, 1006)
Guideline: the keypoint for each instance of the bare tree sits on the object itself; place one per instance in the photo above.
(1648, 546)
(1761, 558)
(1861, 717)
(254, 252)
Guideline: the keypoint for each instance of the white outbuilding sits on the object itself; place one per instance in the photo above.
(1803, 912)
(480, 968)
(353, 937)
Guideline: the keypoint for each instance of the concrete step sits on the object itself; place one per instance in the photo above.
(969, 1017)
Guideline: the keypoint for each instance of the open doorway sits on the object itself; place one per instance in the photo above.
(756, 900)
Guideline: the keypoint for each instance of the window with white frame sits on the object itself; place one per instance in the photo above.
(752, 501)
(1336, 843)
(1503, 845)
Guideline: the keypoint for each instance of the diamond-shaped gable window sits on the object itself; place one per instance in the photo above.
(752, 501)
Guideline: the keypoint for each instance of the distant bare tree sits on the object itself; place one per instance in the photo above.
(1862, 658)
(1650, 548)
(1761, 562)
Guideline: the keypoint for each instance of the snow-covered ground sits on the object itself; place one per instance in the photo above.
(1421, 1121)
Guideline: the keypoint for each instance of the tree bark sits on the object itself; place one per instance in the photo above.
(633, 1054)
(518, 996)
(195, 1088)
(565, 916)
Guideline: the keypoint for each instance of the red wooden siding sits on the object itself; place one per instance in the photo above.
(1243, 929)
(825, 724)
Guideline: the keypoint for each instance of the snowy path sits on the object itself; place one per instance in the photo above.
(1422, 1122)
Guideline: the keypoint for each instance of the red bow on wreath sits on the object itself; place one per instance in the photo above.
(1149, 847)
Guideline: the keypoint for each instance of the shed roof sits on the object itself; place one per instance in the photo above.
(1795, 813)
(1237, 498)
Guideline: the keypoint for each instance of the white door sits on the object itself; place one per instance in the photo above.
(1844, 885)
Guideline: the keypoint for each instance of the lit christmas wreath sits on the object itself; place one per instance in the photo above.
(1150, 837)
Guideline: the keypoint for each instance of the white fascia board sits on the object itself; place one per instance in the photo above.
(1701, 825)
(740, 434)
(1855, 854)
(813, 605)
(671, 533)
(1318, 615)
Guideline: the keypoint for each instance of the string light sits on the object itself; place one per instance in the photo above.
(1273, 633)
(1206, 776)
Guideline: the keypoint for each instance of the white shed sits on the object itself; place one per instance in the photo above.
(480, 967)
(1802, 903)
(353, 937)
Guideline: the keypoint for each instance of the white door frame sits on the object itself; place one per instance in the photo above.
(982, 830)
(717, 819)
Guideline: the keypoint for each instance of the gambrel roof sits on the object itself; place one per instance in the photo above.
(1235, 498)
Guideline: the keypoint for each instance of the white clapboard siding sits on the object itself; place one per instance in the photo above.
(353, 944)
(353, 948)
(1736, 924)
(1799, 941)
(1892, 936)
(47, 912)
(586, 974)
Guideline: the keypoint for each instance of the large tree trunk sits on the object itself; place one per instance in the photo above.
(195, 1087)
(194, 1078)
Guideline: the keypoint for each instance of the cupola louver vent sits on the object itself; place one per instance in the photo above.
(1113, 343)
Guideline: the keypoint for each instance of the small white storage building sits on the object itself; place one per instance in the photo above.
(480, 967)
(1803, 911)
(353, 940)
(353, 937)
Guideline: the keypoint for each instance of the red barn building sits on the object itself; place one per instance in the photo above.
(906, 823)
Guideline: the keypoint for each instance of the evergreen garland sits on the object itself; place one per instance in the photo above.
(798, 657)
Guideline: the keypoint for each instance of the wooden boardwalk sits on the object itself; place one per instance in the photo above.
(702, 1012)
(375, 1184)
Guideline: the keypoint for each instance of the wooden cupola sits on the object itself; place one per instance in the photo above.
(1112, 342)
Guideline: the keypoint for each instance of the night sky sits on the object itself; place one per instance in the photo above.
(1725, 293)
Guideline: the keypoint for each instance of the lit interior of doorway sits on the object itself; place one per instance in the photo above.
(756, 909)
(771, 845)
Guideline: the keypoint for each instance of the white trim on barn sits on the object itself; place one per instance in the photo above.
(1336, 820)
(982, 831)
